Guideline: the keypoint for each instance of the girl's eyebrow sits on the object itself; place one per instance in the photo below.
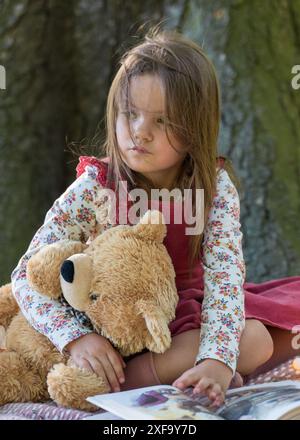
(134, 107)
(157, 111)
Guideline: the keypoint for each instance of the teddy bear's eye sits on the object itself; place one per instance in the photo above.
(94, 296)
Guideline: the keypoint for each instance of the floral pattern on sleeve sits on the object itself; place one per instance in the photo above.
(72, 216)
(223, 317)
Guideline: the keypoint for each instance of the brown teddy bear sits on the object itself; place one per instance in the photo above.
(124, 281)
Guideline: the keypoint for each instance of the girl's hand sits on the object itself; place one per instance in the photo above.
(94, 353)
(210, 377)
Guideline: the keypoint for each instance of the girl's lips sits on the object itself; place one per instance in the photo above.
(139, 150)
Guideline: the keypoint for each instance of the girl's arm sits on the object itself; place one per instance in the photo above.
(223, 317)
(72, 216)
(222, 320)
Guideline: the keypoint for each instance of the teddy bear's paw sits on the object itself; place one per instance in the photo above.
(18, 382)
(70, 386)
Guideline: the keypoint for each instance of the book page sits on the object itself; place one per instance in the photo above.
(269, 401)
(262, 402)
(151, 403)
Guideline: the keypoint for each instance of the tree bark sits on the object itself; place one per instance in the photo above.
(254, 45)
(38, 111)
(60, 57)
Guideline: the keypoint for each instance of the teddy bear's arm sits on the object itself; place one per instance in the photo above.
(8, 305)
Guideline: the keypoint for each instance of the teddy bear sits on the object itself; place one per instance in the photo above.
(123, 280)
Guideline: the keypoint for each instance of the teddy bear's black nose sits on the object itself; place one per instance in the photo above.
(67, 271)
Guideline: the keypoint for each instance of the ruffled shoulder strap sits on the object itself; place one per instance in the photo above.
(100, 164)
(221, 161)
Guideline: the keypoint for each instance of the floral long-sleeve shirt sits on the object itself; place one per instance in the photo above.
(223, 316)
(73, 216)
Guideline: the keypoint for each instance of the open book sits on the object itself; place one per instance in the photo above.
(268, 401)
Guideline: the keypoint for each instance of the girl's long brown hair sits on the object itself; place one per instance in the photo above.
(192, 99)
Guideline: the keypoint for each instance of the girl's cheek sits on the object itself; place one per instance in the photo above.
(124, 129)
(121, 132)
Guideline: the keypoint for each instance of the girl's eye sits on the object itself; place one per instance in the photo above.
(132, 115)
(129, 115)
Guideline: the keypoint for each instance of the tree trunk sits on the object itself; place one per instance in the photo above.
(37, 111)
(60, 57)
(254, 45)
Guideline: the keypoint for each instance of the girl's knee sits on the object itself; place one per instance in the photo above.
(256, 346)
(265, 341)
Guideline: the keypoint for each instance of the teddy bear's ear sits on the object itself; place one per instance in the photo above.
(151, 226)
(43, 268)
(159, 334)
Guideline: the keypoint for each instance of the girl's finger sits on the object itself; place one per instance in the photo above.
(117, 365)
(110, 373)
(84, 364)
(122, 361)
(185, 380)
(203, 385)
(214, 392)
(219, 400)
(97, 367)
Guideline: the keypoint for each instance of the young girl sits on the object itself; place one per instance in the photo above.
(163, 115)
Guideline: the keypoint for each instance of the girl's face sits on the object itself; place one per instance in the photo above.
(147, 149)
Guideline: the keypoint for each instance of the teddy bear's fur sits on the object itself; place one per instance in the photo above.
(123, 280)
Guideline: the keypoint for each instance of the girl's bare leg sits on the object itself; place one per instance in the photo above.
(179, 357)
(152, 369)
(256, 347)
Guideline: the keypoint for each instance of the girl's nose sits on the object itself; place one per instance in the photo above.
(142, 132)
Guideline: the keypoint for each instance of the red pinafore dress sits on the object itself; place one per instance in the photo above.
(275, 303)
